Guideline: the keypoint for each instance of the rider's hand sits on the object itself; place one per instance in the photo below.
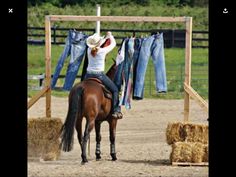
(108, 34)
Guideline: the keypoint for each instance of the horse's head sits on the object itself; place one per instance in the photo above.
(111, 72)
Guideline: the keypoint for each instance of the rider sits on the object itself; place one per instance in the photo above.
(96, 66)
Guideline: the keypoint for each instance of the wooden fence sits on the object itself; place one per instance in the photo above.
(172, 38)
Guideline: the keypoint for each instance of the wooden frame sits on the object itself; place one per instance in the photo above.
(189, 92)
(190, 164)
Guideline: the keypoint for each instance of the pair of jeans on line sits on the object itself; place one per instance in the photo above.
(125, 70)
(151, 46)
(128, 72)
(109, 85)
(75, 47)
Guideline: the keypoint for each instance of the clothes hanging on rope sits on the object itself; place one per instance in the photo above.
(119, 77)
(75, 47)
(132, 60)
(151, 46)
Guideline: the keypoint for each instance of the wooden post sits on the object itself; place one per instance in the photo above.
(48, 65)
(188, 54)
(98, 22)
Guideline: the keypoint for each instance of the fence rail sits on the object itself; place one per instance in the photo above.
(172, 37)
(175, 80)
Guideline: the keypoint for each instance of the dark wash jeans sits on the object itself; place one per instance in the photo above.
(109, 85)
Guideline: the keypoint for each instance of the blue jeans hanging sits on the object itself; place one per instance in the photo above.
(75, 47)
(151, 46)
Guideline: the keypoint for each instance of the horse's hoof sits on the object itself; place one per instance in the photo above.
(113, 156)
(84, 162)
(114, 159)
(98, 157)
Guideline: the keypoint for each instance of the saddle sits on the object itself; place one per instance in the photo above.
(106, 92)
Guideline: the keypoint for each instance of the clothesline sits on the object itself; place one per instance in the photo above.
(131, 60)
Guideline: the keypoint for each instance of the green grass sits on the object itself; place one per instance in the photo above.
(174, 58)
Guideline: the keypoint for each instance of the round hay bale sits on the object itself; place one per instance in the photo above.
(43, 138)
(186, 132)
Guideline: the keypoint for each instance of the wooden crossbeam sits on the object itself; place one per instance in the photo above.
(196, 96)
(37, 96)
(116, 18)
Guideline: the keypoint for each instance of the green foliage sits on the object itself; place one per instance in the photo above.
(187, 2)
(172, 2)
(63, 3)
(36, 16)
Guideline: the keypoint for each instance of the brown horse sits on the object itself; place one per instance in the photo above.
(86, 99)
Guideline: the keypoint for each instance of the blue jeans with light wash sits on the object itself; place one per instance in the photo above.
(110, 86)
(151, 46)
(75, 47)
(129, 52)
(137, 46)
(159, 63)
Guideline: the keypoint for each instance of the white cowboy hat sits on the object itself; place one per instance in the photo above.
(95, 40)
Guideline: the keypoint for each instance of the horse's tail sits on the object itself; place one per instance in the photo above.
(67, 130)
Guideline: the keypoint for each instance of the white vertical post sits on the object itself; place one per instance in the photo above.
(98, 22)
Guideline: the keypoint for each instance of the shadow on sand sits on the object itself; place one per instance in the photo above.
(158, 162)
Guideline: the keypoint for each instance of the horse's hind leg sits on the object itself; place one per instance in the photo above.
(79, 130)
(98, 139)
(88, 128)
(112, 129)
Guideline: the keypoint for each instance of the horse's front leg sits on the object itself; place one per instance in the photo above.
(98, 139)
(112, 129)
(88, 129)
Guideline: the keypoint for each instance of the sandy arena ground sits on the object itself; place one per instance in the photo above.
(141, 146)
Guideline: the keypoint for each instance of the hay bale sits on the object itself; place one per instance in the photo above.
(173, 132)
(186, 132)
(197, 152)
(188, 152)
(43, 138)
(44, 128)
(195, 133)
(181, 152)
(206, 154)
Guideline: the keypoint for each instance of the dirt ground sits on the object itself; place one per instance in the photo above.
(141, 145)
